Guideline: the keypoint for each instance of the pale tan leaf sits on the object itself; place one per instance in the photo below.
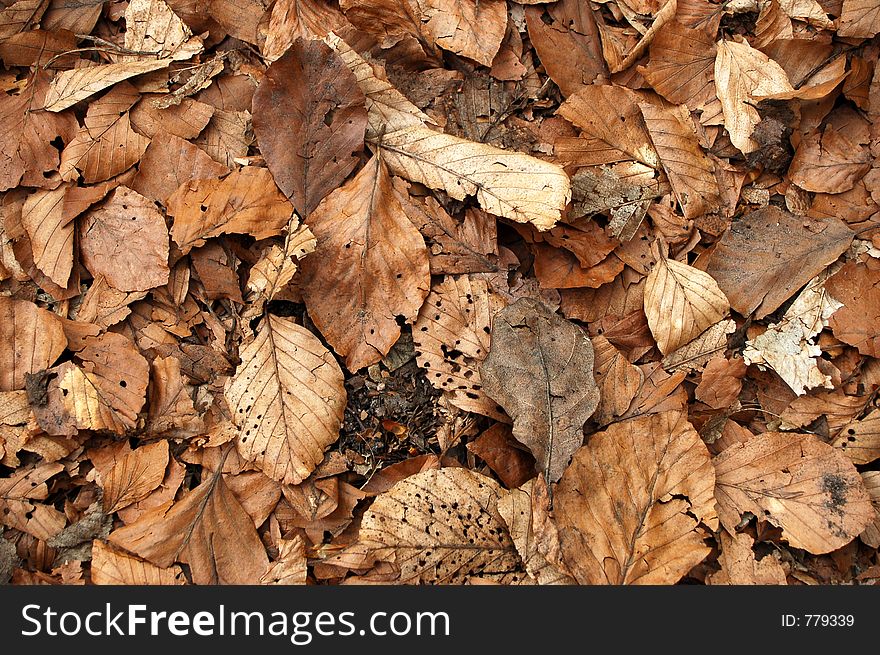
(740, 567)
(695, 355)
(506, 183)
(126, 241)
(69, 87)
(152, 27)
(789, 346)
(31, 339)
(860, 440)
(631, 505)
(370, 265)
(440, 526)
(246, 201)
(796, 482)
(525, 511)
(808, 11)
(111, 567)
(740, 73)
(859, 18)
(540, 370)
(291, 566)
(135, 476)
(690, 171)
(287, 399)
(618, 380)
(207, 529)
(451, 338)
(51, 233)
(681, 302)
(871, 535)
(106, 146)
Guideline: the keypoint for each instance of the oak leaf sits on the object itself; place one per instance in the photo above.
(207, 529)
(126, 241)
(681, 302)
(770, 253)
(244, 202)
(287, 399)
(440, 526)
(630, 507)
(370, 266)
(309, 120)
(31, 339)
(796, 482)
(540, 370)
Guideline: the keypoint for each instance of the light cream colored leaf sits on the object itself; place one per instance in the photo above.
(111, 567)
(107, 145)
(370, 266)
(740, 567)
(681, 302)
(246, 201)
(506, 183)
(69, 87)
(451, 338)
(208, 529)
(31, 339)
(742, 72)
(291, 566)
(135, 475)
(540, 370)
(440, 526)
(695, 355)
(796, 482)
(690, 171)
(630, 507)
(287, 399)
(126, 241)
(860, 440)
(152, 27)
(859, 18)
(789, 346)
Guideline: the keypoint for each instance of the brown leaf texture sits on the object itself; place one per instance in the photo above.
(126, 241)
(860, 440)
(540, 370)
(309, 121)
(796, 482)
(207, 529)
(440, 526)
(69, 87)
(287, 400)
(452, 337)
(630, 506)
(857, 288)
(370, 265)
(135, 476)
(769, 254)
(245, 201)
(111, 567)
(618, 380)
(740, 567)
(152, 27)
(681, 302)
(31, 339)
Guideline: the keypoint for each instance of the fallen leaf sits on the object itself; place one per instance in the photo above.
(287, 400)
(859, 18)
(618, 380)
(126, 241)
(152, 27)
(540, 370)
(739, 566)
(796, 482)
(168, 163)
(278, 264)
(370, 258)
(111, 567)
(290, 566)
(227, 136)
(186, 120)
(207, 529)
(828, 162)
(694, 355)
(630, 507)
(856, 288)
(860, 440)
(171, 409)
(440, 526)
(451, 336)
(769, 254)
(742, 72)
(293, 19)
(681, 302)
(871, 535)
(309, 120)
(135, 476)
(510, 461)
(244, 202)
(69, 87)
(103, 305)
(721, 382)
(31, 339)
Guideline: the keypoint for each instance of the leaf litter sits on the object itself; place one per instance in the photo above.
(434, 292)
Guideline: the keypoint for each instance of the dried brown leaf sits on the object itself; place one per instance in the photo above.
(740, 567)
(135, 475)
(112, 567)
(31, 339)
(69, 87)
